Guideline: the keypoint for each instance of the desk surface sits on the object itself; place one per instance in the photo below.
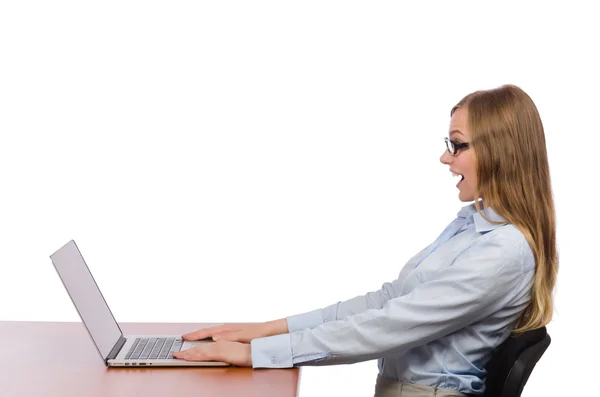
(59, 359)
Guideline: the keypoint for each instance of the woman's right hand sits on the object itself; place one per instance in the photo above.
(244, 332)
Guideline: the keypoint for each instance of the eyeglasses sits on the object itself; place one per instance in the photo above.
(454, 146)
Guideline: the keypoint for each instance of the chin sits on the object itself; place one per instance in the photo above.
(466, 198)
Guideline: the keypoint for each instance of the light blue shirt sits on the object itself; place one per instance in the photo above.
(436, 325)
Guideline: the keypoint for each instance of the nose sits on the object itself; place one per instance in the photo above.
(446, 157)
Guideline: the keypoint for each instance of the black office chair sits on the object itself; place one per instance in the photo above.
(513, 361)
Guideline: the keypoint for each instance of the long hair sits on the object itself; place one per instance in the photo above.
(513, 178)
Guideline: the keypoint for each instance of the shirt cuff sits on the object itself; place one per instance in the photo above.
(272, 352)
(303, 321)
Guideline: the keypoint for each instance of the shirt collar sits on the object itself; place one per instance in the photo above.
(481, 224)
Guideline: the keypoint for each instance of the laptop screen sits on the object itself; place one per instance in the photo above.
(86, 297)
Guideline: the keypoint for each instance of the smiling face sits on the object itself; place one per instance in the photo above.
(463, 163)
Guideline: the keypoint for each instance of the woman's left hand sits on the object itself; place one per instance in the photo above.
(235, 353)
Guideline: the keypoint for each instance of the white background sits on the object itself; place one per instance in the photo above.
(260, 159)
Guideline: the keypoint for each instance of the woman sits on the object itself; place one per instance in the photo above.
(491, 272)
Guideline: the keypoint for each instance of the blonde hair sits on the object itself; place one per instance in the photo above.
(513, 178)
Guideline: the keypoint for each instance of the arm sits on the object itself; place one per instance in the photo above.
(481, 281)
(247, 332)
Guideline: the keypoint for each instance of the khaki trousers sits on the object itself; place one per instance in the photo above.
(389, 388)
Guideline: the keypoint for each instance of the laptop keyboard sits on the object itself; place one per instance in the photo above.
(153, 348)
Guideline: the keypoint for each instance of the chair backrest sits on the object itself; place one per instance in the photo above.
(513, 361)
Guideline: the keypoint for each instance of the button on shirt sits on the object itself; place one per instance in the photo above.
(436, 324)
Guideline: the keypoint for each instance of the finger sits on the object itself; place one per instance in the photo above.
(182, 354)
(205, 332)
(199, 353)
(199, 334)
(242, 335)
(227, 335)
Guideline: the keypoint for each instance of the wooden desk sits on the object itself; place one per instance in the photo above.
(59, 359)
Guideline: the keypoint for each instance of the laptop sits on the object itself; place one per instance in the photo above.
(116, 349)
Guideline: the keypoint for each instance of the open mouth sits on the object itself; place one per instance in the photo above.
(462, 177)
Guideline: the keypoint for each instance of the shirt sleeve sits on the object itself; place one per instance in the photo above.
(341, 310)
(358, 304)
(481, 281)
